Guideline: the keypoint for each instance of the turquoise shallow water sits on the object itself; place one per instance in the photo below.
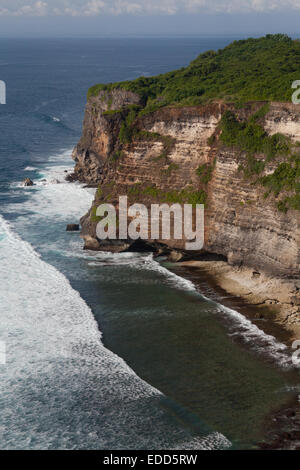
(114, 351)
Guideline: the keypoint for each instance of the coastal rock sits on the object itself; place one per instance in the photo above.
(28, 182)
(100, 133)
(91, 243)
(71, 177)
(73, 228)
(175, 256)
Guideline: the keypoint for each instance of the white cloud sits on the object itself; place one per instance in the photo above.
(138, 7)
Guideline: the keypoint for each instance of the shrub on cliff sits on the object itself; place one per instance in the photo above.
(252, 139)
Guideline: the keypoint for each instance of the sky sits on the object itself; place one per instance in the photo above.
(147, 17)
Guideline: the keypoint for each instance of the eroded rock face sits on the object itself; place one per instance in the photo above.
(245, 227)
(240, 224)
(283, 118)
(100, 133)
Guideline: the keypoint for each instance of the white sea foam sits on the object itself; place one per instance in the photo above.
(52, 197)
(57, 366)
(61, 388)
(257, 339)
(30, 168)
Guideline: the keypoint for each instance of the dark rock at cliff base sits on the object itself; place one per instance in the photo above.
(28, 182)
(175, 256)
(71, 178)
(72, 228)
(91, 243)
(141, 246)
(113, 246)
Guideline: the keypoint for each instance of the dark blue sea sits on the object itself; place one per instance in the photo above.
(108, 351)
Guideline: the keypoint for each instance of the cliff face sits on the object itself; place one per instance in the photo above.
(162, 159)
(99, 134)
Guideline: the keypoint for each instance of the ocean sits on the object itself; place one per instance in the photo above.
(109, 351)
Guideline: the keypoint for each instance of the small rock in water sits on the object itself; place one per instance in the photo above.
(72, 227)
(28, 182)
(71, 177)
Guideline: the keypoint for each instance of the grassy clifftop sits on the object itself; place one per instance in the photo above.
(246, 70)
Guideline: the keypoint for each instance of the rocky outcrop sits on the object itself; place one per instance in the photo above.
(162, 158)
(28, 182)
(73, 228)
(100, 133)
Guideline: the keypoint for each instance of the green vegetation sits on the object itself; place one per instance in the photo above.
(286, 178)
(253, 69)
(94, 217)
(111, 112)
(117, 156)
(205, 172)
(211, 140)
(171, 168)
(185, 196)
(126, 129)
(252, 139)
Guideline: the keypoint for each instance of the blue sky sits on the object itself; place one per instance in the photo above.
(137, 17)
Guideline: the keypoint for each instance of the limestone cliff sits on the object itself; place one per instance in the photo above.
(169, 145)
(162, 160)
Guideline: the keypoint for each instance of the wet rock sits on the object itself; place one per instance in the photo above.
(91, 243)
(28, 182)
(71, 178)
(72, 228)
(289, 413)
(175, 256)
